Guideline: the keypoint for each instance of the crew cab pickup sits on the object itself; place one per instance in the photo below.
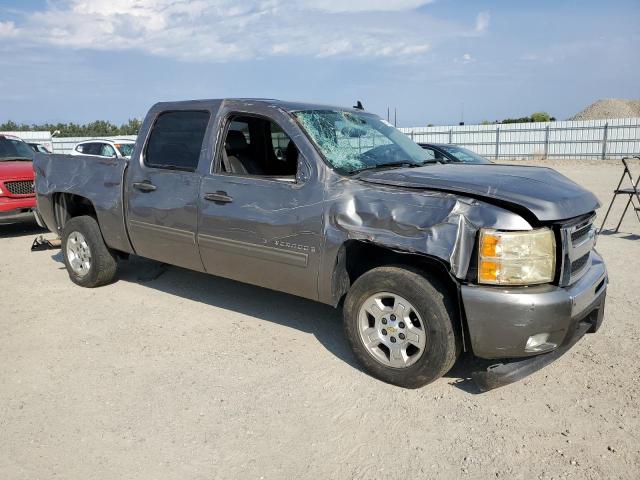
(336, 205)
(17, 196)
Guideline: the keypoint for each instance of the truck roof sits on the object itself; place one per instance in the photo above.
(289, 106)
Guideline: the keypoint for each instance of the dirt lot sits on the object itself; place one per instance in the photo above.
(174, 375)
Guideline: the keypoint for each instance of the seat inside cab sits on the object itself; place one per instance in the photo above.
(258, 146)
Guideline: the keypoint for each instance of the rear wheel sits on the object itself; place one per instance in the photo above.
(400, 326)
(88, 260)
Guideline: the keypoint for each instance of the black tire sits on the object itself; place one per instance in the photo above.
(437, 308)
(104, 266)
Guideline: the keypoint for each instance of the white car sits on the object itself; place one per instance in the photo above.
(105, 148)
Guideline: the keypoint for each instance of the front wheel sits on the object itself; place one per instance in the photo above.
(399, 324)
(88, 260)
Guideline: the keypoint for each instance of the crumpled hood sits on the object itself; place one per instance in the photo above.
(545, 193)
(10, 170)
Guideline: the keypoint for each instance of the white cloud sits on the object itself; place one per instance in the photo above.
(482, 22)
(228, 30)
(8, 29)
(335, 6)
(465, 59)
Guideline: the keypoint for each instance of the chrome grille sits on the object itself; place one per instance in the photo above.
(579, 235)
(20, 188)
(580, 263)
(578, 239)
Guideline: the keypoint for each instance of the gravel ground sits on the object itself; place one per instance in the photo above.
(609, 108)
(171, 374)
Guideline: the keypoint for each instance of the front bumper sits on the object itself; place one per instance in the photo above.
(22, 215)
(502, 320)
(10, 206)
(16, 209)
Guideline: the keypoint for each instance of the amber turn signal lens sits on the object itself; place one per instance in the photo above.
(488, 271)
(516, 258)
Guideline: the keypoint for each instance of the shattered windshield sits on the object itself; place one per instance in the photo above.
(354, 141)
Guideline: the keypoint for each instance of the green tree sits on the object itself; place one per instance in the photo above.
(540, 117)
(97, 128)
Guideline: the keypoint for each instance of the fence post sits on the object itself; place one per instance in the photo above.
(605, 134)
(450, 135)
(546, 143)
(497, 142)
(412, 135)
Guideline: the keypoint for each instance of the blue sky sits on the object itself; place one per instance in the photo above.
(81, 60)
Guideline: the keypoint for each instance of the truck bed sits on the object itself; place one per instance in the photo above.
(98, 179)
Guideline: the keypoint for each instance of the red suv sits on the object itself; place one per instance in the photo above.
(17, 197)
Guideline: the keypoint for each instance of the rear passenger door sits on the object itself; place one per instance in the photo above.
(162, 189)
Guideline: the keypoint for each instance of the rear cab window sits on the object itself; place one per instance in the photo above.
(176, 140)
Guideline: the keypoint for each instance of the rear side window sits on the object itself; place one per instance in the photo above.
(90, 148)
(176, 140)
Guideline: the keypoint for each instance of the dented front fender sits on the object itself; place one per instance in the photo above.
(436, 224)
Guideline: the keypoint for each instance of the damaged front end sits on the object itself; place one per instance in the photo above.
(435, 225)
(498, 322)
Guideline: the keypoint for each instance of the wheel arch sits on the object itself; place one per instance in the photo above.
(69, 205)
(356, 257)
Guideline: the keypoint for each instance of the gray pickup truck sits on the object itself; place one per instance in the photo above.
(334, 204)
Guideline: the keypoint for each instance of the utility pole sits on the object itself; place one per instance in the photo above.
(395, 117)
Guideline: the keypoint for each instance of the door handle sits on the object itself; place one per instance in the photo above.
(145, 186)
(218, 197)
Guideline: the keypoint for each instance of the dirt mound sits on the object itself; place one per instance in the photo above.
(609, 108)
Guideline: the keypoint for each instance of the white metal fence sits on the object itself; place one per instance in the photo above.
(613, 138)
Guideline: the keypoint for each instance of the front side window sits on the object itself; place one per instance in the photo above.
(257, 146)
(107, 150)
(176, 140)
(356, 141)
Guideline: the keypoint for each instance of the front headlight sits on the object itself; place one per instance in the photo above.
(516, 258)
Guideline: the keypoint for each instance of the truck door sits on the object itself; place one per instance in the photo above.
(163, 186)
(261, 204)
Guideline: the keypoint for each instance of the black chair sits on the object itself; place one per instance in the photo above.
(632, 192)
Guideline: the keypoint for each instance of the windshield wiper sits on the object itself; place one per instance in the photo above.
(404, 163)
(380, 166)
